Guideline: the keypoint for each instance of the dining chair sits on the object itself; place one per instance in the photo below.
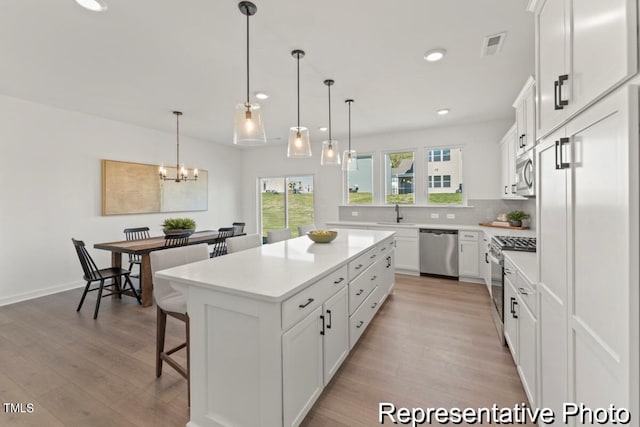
(278, 235)
(136, 234)
(174, 240)
(172, 303)
(238, 227)
(241, 243)
(304, 229)
(93, 274)
(219, 248)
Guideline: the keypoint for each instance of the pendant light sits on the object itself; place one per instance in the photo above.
(349, 158)
(330, 149)
(249, 128)
(181, 172)
(299, 144)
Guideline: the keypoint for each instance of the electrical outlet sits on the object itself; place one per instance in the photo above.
(435, 215)
(451, 216)
(354, 213)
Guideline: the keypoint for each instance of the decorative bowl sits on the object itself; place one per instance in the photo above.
(322, 236)
(175, 231)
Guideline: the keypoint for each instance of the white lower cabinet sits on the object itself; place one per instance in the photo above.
(407, 260)
(485, 262)
(511, 316)
(527, 350)
(468, 258)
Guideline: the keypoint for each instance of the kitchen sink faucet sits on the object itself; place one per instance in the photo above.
(398, 217)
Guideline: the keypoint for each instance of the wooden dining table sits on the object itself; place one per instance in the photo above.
(143, 248)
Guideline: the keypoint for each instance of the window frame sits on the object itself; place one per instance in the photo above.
(426, 157)
(345, 180)
(383, 175)
(286, 197)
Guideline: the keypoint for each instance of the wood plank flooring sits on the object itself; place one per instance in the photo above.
(432, 344)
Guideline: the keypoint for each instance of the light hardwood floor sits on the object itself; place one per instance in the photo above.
(432, 344)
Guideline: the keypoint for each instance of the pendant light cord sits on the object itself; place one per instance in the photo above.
(177, 143)
(247, 13)
(349, 102)
(298, 61)
(330, 139)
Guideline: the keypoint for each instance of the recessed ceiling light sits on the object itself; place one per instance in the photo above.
(322, 129)
(93, 5)
(443, 111)
(435, 55)
(261, 95)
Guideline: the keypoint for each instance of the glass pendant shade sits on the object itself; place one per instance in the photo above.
(330, 153)
(349, 160)
(299, 144)
(249, 127)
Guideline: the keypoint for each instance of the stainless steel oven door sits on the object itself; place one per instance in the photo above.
(525, 185)
(497, 295)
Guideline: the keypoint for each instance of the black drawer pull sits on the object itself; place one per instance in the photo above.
(523, 291)
(374, 278)
(375, 304)
(309, 301)
(359, 266)
(359, 325)
(359, 292)
(372, 256)
(340, 280)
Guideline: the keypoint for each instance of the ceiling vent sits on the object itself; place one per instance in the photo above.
(492, 45)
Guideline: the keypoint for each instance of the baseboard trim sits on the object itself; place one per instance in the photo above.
(40, 293)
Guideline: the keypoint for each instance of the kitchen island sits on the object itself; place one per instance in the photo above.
(271, 325)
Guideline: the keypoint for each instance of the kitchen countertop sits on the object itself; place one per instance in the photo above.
(492, 231)
(525, 262)
(278, 270)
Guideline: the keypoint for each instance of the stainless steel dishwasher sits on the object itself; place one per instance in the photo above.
(439, 252)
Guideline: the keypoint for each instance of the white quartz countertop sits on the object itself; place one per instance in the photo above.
(276, 271)
(526, 262)
(492, 231)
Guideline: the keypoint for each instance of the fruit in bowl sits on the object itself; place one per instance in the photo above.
(322, 236)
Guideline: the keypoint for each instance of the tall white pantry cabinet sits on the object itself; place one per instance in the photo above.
(588, 203)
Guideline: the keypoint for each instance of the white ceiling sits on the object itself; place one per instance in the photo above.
(142, 59)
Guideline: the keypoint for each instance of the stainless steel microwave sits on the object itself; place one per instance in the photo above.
(525, 174)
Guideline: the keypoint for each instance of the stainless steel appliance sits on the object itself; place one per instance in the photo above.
(525, 185)
(439, 252)
(499, 244)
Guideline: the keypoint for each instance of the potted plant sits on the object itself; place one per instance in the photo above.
(178, 226)
(515, 218)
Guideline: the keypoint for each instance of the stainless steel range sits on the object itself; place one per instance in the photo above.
(499, 244)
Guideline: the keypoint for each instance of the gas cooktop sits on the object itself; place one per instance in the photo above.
(523, 244)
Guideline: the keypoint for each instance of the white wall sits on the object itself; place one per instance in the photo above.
(481, 163)
(51, 190)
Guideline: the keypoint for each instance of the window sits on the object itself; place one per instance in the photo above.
(286, 202)
(399, 185)
(444, 176)
(360, 182)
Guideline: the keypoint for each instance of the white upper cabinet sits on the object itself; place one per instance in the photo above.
(508, 158)
(585, 49)
(525, 117)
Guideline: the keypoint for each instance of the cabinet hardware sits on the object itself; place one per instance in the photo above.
(372, 256)
(384, 248)
(340, 280)
(513, 188)
(505, 190)
(329, 321)
(359, 325)
(556, 85)
(513, 300)
(309, 301)
(374, 278)
(359, 292)
(560, 163)
(359, 266)
(486, 258)
(523, 291)
(389, 261)
(561, 79)
(322, 331)
(515, 316)
(375, 304)
(507, 271)
(524, 140)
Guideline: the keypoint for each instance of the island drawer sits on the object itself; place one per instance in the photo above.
(361, 287)
(361, 318)
(527, 293)
(361, 263)
(304, 302)
(386, 246)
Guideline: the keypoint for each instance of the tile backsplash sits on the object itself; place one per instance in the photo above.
(481, 210)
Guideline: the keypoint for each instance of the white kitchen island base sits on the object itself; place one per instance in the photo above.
(271, 325)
